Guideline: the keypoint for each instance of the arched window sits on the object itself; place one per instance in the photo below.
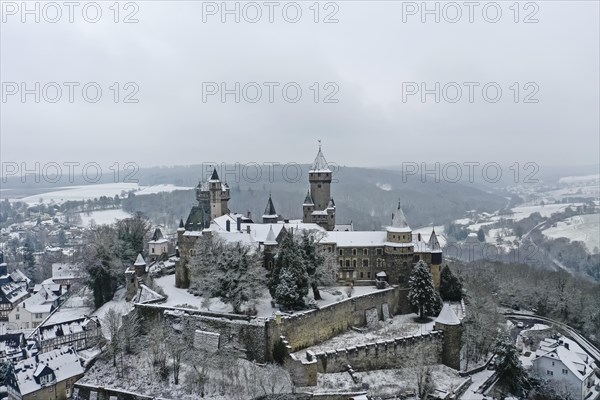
(347, 262)
(354, 263)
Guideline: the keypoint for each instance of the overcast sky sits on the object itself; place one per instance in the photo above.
(370, 55)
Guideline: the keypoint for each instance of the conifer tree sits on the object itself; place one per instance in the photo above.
(450, 285)
(288, 283)
(422, 293)
(509, 367)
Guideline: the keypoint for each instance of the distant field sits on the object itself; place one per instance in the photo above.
(105, 217)
(89, 192)
(585, 228)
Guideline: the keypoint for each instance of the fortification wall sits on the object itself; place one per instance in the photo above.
(313, 327)
(396, 353)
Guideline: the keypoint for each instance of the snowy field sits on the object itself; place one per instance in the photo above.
(547, 210)
(584, 228)
(181, 297)
(389, 382)
(89, 192)
(104, 217)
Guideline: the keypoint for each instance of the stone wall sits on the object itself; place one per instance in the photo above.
(313, 327)
(395, 353)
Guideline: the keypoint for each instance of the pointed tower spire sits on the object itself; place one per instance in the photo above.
(270, 237)
(270, 215)
(214, 176)
(320, 164)
(399, 223)
(270, 208)
(308, 201)
(434, 244)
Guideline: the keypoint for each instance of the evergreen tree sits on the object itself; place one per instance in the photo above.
(288, 282)
(450, 285)
(314, 260)
(480, 235)
(231, 272)
(422, 294)
(509, 367)
(62, 237)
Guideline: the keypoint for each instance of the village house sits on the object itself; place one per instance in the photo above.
(12, 346)
(14, 288)
(75, 330)
(48, 376)
(32, 311)
(565, 365)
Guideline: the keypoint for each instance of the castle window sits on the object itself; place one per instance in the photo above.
(354, 262)
(319, 185)
(270, 264)
(341, 252)
(365, 252)
(354, 275)
(361, 275)
(369, 274)
(354, 252)
(379, 252)
(347, 262)
(341, 263)
(365, 263)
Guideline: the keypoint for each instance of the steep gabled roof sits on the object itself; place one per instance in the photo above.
(320, 164)
(157, 234)
(331, 203)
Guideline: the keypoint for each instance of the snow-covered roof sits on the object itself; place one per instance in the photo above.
(270, 240)
(356, 238)
(139, 261)
(569, 353)
(63, 363)
(41, 302)
(65, 271)
(399, 223)
(447, 316)
(320, 164)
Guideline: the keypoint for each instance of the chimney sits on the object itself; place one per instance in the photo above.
(248, 229)
(249, 214)
(228, 225)
(419, 236)
(239, 224)
(566, 345)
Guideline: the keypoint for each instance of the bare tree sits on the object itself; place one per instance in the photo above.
(130, 329)
(112, 322)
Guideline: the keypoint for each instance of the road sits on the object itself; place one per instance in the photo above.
(581, 341)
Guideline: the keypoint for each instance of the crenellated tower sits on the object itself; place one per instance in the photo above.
(318, 206)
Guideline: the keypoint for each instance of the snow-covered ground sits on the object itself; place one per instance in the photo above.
(118, 303)
(546, 210)
(396, 327)
(181, 297)
(103, 217)
(585, 228)
(390, 381)
(89, 192)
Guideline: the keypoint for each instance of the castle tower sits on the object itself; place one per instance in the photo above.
(140, 266)
(270, 215)
(449, 323)
(319, 177)
(219, 196)
(270, 246)
(318, 205)
(307, 208)
(436, 259)
(399, 249)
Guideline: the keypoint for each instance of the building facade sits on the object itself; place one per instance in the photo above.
(361, 254)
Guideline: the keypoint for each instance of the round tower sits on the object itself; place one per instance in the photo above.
(449, 323)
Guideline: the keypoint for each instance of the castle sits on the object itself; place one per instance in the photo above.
(363, 256)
